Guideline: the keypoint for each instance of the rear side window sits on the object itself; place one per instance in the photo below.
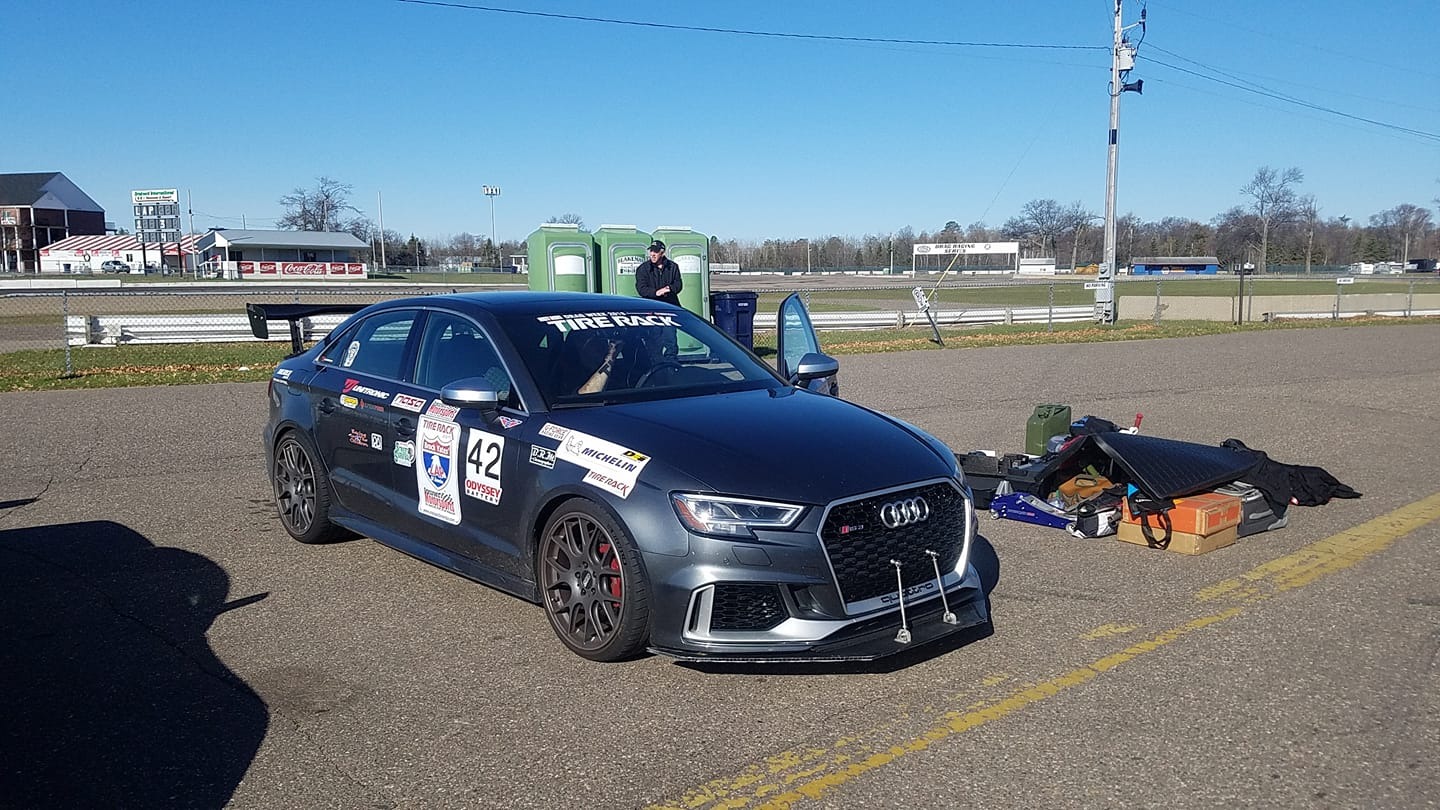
(375, 346)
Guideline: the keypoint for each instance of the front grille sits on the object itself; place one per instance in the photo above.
(746, 607)
(861, 547)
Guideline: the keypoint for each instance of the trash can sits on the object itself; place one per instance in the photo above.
(734, 312)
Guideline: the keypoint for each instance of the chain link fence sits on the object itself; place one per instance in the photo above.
(84, 319)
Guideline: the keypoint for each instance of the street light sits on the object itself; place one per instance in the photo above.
(492, 192)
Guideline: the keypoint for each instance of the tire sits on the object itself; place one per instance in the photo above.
(592, 584)
(302, 490)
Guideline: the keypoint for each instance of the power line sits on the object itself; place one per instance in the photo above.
(749, 32)
(1214, 69)
(1260, 91)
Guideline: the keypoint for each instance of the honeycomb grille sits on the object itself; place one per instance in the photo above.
(861, 547)
(746, 607)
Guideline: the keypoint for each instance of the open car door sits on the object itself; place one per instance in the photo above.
(798, 356)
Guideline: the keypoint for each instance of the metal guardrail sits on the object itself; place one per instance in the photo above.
(893, 319)
(1329, 316)
(119, 330)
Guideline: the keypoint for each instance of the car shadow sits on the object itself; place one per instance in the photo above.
(112, 695)
(987, 565)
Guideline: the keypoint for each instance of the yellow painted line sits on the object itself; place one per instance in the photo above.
(783, 780)
(1108, 631)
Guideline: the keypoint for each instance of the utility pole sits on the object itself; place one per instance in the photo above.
(1122, 59)
(380, 208)
(492, 192)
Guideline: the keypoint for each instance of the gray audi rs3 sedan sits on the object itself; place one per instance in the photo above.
(644, 478)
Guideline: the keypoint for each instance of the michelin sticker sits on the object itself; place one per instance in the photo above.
(404, 453)
(483, 455)
(607, 320)
(610, 466)
(350, 352)
(436, 473)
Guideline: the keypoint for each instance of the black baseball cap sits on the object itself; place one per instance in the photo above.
(657, 245)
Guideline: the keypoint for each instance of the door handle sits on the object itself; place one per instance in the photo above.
(404, 427)
(327, 405)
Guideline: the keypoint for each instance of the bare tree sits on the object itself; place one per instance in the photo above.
(1078, 221)
(326, 207)
(1040, 221)
(568, 219)
(1273, 200)
(1310, 215)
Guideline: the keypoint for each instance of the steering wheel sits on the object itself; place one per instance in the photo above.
(644, 378)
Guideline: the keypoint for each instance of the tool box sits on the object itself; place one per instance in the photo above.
(1179, 542)
(1203, 514)
(1196, 525)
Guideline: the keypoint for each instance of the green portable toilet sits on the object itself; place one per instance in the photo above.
(619, 249)
(561, 257)
(691, 250)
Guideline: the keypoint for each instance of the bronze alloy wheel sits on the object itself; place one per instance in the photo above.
(591, 585)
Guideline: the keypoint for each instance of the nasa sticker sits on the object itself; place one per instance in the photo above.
(350, 352)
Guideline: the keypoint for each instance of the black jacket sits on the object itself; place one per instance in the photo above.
(650, 277)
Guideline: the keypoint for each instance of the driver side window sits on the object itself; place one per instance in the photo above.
(453, 348)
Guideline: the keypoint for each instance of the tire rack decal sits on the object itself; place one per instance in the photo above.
(436, 474)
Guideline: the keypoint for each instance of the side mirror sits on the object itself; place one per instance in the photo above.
(815, 365)
(471, 392)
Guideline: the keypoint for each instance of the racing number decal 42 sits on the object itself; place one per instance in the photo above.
(483, 458)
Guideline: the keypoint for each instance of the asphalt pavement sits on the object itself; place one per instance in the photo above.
(166, 644)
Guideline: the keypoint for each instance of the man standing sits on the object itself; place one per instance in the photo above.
(659, 278)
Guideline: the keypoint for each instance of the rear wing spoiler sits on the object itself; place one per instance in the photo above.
(261, 314)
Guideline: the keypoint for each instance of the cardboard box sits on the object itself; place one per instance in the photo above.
(1180, 542)
(1203, 514)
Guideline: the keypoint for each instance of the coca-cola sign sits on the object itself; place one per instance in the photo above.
(268, 268)
(303, 268)
(246, 267)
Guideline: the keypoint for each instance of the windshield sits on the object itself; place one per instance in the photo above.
(582, 358)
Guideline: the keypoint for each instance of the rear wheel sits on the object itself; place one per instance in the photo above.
(592, 584)
(302, 490)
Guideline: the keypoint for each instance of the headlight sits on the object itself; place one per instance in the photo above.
(732, 517)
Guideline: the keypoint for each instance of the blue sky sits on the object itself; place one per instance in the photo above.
(739, 136)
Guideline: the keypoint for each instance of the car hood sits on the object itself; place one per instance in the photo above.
(784, 444)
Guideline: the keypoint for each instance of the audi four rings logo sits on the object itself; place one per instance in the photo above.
(904, 513)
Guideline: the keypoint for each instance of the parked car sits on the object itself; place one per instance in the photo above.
(637, 472)
(114, 266)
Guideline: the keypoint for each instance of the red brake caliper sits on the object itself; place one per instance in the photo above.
(614, 566)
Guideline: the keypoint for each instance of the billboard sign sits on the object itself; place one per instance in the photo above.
(155, 195)
(965, 248)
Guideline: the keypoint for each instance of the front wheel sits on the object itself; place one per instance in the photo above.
(592, 584)
(302, 490)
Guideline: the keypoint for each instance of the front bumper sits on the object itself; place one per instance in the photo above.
(847, 583)
(861, 639)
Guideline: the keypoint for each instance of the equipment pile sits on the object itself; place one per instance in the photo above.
(1096, 479)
